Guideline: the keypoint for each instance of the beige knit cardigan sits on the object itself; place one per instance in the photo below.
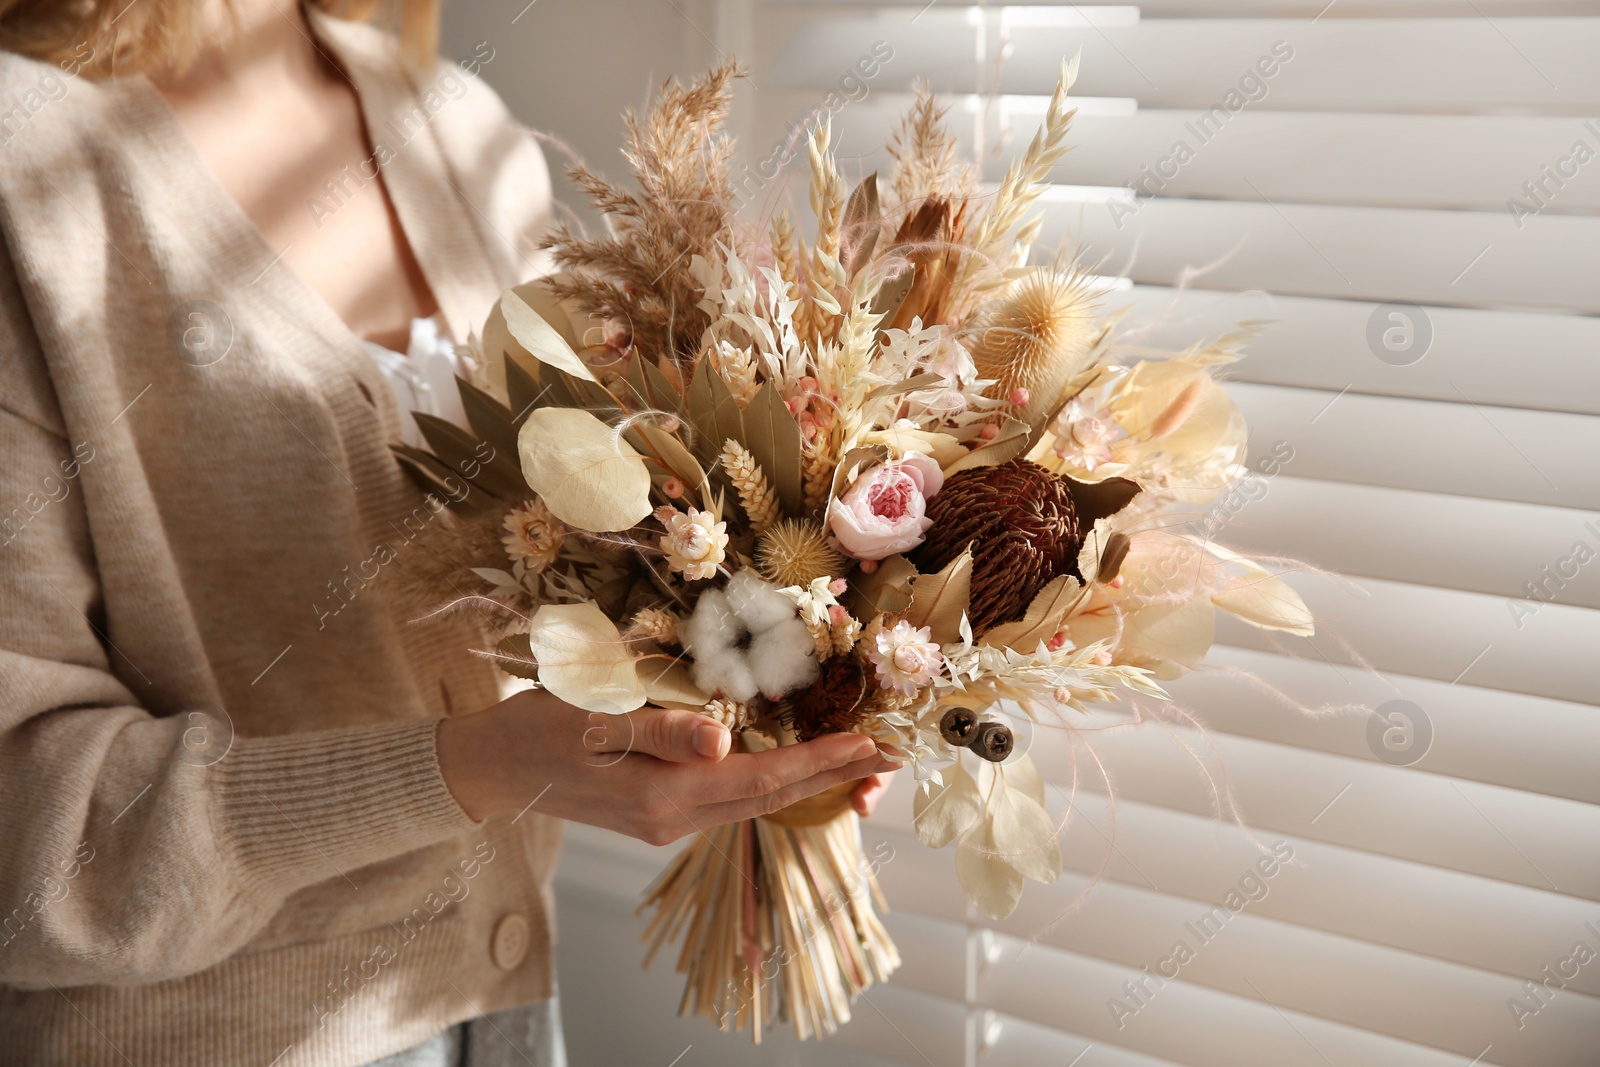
(224, 838)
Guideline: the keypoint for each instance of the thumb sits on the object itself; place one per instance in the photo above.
(678, 736)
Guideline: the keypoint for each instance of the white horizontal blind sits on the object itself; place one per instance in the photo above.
(1374, 164)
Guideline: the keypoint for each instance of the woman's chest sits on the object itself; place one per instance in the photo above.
(299, 163)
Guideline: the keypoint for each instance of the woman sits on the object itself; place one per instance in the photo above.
(249, 814)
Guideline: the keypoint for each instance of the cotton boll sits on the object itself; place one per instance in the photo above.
(746, 639)
(781, 658)
(726, 672)
(713, 626)
(758, 603)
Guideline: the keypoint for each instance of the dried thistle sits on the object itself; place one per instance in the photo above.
(640, 275)
(797, 552)
(760, 503)
(1036, 336)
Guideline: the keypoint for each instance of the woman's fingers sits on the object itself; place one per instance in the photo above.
(748, 775)
(669, 734)
(865, 796)
(767, 803)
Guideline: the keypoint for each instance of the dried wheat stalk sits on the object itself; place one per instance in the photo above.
(1026, 179)
(824, 272)
(785, 256)
(654, 624)
(760, 503)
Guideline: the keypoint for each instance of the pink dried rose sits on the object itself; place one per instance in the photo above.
(884, 511)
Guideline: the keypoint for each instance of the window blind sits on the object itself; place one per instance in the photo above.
(1439, 904)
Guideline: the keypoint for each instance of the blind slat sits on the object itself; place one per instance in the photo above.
(1388, 64)
(1442, 633)
(1540, 360)
(1508, 739)
(1460, 258)
(1462, 449)
(1162, 855)
(1407, 536)
(1430, 818)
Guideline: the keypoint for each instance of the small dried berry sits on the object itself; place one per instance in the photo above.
(993, 742)
(959, 726)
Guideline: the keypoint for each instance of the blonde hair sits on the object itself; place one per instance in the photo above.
(101, 38)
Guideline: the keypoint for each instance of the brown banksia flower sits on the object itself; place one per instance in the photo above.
(1036, 336)
(1022, 527)
(797, 552)
(841, 699)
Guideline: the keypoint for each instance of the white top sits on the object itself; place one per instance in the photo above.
(423, 379)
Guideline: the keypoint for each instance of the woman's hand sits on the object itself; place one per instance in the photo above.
(653, 774)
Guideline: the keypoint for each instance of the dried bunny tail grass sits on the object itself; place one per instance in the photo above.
(760, 503)
(924, 150)
(1026, 179)
(640, 274)
(1037, 335)
(654, 624)
(797, 552)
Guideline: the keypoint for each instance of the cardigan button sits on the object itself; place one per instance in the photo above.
(509, 946)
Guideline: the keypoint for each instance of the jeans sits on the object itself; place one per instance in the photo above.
(517, 1037)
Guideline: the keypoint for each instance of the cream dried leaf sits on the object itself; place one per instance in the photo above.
(1259, 597)
(583, 659)
(543, 341)
(989, 879)
(942, 813)
(588, 476)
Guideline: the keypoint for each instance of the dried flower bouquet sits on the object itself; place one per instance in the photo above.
(893, 479)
